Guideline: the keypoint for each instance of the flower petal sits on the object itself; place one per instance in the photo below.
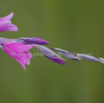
(12, 27)
(28, 56)
(8, 17)
(6, 24)
(18, 51)
(21, 63)
(18, 47)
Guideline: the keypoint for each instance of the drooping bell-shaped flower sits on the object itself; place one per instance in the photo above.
(18, 51)
(6, 23)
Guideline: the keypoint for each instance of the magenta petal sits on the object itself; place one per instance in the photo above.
(27, 61)
(8, 17)
(12, 27)
(18, 51)
(28, 56)
(21, 63)
(6, 25)
(18, 47)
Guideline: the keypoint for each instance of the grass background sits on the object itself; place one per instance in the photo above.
(74, 25)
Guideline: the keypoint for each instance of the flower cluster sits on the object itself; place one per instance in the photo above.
(23, 45)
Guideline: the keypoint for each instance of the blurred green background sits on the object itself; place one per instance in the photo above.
(73, 25)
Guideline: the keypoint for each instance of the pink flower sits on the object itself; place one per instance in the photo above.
(18, 51)
(6, 24)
